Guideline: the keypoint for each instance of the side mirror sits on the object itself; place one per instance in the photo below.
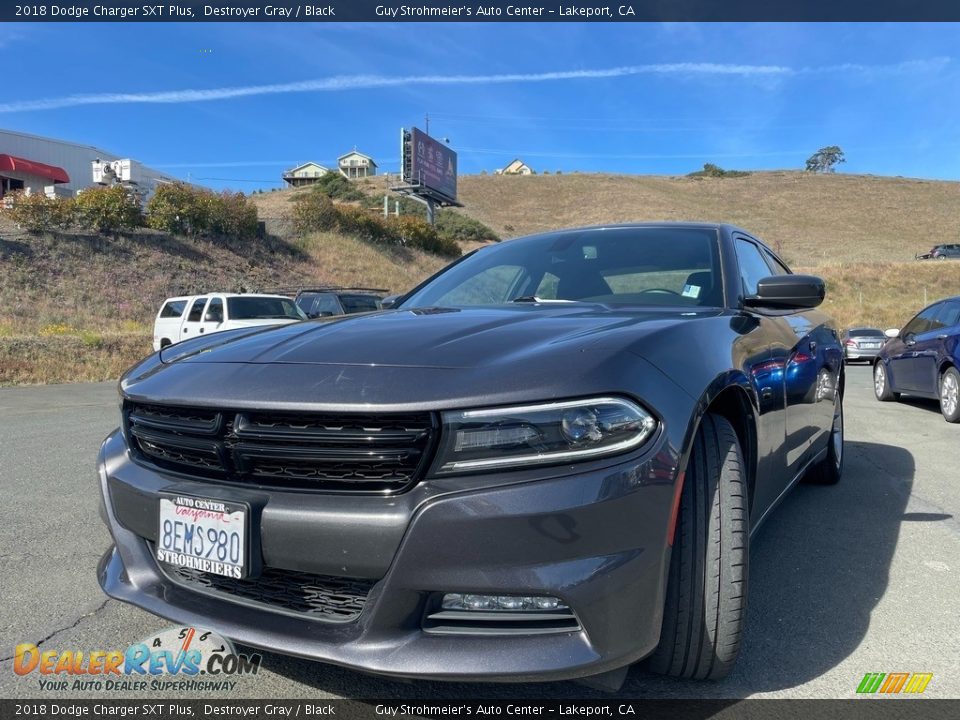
(213, 317)
(788, 292)
(389, 301)
(892, 332)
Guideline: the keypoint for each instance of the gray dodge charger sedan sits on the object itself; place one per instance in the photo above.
(545, 462)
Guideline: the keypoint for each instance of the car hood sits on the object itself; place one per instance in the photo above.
(432, 337)
(433, 358)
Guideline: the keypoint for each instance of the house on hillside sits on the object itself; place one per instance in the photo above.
(356, 165)
(306, 174)
(517, 167)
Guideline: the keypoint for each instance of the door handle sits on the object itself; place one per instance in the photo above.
(813, 346)
(942, 337)
(910, 343)
(186, 330)
(201, 330)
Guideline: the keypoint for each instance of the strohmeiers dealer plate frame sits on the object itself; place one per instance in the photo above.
(211, 535)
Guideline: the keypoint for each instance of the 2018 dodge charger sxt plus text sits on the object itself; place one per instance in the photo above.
(544, 462)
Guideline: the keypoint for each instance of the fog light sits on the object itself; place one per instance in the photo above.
(513, 603)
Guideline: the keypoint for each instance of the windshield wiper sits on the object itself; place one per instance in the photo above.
(535, 299)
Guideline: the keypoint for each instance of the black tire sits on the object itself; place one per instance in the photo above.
(949, 391)
(881, 383)
(706, 599)
(829, 470)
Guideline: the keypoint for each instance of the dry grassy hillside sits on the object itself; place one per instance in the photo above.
(809, 218)
(81, 307)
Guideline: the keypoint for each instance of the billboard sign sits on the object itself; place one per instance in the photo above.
(430, 165)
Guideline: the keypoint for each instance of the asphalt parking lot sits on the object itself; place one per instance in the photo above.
(845, 580)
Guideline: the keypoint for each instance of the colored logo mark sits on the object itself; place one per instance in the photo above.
(894, 683)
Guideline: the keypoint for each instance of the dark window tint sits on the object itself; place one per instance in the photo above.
(196, 311)
(359, 303)
(865, 332)
(263, 308)
(753, 268)
(215, 310)
(318, 304)
(173, 309)
(949, 314)
(922, 322)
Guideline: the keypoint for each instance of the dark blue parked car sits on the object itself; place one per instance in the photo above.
(922, 359)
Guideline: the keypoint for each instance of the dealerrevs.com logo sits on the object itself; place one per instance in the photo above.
(176, 659)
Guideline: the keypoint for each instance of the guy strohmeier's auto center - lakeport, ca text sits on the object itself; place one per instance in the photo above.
(294, 12)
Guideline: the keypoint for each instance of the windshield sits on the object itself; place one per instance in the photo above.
(614, 266)
(262, 308)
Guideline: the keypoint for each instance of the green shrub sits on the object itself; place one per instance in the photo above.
(715, 171)
(233, 215)
(108, 209)
(314, 211)
(336, 186)
(457, 226)
(37, 213)
(180, 208)
(364, 225)
(177, 208)
(416, 233)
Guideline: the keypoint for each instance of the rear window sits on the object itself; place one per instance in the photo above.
(866, 332)
(359, 303)
(173, 309)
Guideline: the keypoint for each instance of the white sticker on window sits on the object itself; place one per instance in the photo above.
(691, 291)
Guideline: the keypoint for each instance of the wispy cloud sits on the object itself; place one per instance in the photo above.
(341, 83)
(8, 37)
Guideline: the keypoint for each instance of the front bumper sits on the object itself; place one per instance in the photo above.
(594, 537)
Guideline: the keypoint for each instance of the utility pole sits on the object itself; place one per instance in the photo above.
(426, 120)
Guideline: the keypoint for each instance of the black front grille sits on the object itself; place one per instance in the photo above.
(317, 596)
(354, 453)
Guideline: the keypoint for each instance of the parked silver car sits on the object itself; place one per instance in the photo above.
(862, 343)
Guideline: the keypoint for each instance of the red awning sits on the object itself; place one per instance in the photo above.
(30, 167)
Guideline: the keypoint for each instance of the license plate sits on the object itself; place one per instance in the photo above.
(203, 534)
(870, 346)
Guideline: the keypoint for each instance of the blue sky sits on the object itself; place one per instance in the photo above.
(233, 105)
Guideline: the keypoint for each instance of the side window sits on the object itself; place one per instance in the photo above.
(196, 311)
(173, 309)
(215, 310)
(327, 304)
(949, 314)
(753, 267)
(776, 267)
(922, 322)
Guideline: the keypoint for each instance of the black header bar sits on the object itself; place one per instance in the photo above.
(488, 11)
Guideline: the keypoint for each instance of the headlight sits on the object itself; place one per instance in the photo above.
(557, 432)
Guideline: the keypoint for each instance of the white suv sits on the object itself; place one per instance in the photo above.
(181, 318)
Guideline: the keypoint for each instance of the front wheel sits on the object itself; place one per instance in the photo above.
(881, 384)
(829, 470)
(950, 395)
(706, 600)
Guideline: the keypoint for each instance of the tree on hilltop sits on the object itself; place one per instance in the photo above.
(825, 159)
